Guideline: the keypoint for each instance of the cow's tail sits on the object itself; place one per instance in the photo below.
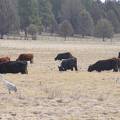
(76, 64)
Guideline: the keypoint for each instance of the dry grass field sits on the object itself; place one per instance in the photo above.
(47, 94)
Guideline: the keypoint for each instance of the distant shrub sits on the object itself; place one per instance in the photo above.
(66, 29)
(104, 29)
(32, 30)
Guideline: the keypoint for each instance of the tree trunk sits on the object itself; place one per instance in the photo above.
(26, 35)
(103, 39)
(34, 37)
(83, 35)
(111, 40)
(65, 38)
(1, 37)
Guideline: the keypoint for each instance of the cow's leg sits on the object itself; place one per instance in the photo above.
(31, 61)
(98, 70)
(116, 68)
(76, 69)
(71, 68)
(25, 72)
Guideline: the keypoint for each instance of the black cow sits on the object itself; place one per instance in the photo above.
(108, 64)
(119, 55)
(68, 64)
(62, 56)
(13, 67)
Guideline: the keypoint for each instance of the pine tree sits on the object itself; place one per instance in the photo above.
(45, 12)
(113, 19)
(86, 24)
(28, 12)
(104, 29)
(65, 29)
(8, 17)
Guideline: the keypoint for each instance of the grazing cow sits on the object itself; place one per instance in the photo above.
(61, 56)
(108, 64)
(68, 64)
(13, 67)
(25, 57)
(4, 59)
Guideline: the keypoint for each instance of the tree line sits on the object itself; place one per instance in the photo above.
(63, 17)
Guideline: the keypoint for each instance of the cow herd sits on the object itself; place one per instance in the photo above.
(17, 66)
(69, 62)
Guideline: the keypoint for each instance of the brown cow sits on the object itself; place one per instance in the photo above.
(4, 59)
(25, 57)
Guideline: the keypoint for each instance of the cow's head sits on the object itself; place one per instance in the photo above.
(55, 58)
(58, 57)
(61, 68)
(90, 68)
(17, 59)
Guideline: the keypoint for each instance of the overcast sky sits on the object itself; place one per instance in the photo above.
(103, 0)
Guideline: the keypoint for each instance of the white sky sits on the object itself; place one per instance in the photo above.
(103, 0)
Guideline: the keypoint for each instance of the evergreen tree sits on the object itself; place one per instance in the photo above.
(28, 12)
(65, 29)
(86, 25)
(45, 13)
(8, 17)
(115, 6)
(111, 16)
(97, 11)
(70, 11)
(87, 4)
(56, 7)
(104, 29)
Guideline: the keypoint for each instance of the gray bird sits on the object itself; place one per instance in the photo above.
(10, 86)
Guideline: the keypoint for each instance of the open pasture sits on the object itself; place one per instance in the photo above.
(47, 94)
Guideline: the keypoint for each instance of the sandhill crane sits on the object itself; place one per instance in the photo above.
(10, 86)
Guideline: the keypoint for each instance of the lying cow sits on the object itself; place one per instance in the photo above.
(25, 57)
(62, 56)
(68, 64)
(13, 67)
(109, 64)
(4, 59)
